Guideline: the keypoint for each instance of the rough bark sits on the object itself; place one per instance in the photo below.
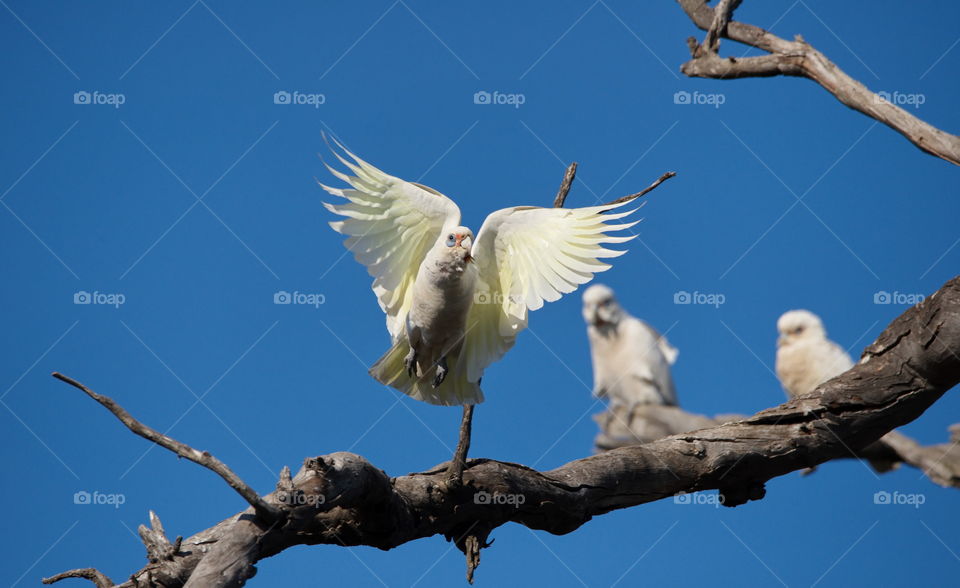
(798, 58)
(622, 426)
(342, 499)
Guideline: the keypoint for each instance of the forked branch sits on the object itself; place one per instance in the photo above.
(798, 58)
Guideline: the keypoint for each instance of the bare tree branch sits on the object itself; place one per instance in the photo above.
(568, 177)
(342, 499)
(645, 191)
(95, 576)
(268, 511)
(798, 58)
(718, 27)
(623, 426)
(155, 539)
(941, 463)
(571, 173)
(463, 446)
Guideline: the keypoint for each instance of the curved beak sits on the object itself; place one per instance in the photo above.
(459, 243)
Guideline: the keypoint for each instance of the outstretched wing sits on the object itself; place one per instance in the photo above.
(392, 224)
(527, 256)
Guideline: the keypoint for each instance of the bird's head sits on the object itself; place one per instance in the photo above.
(600, 307)
(459, 242)
(794, 325)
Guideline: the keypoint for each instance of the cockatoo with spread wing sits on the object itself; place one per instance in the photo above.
(805, 357)
(631, 360)
(456, 302)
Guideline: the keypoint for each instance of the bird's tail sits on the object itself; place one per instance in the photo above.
(455, 390)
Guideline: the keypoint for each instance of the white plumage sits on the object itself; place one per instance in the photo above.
(631, 360)
(805, 357)
(455, 305)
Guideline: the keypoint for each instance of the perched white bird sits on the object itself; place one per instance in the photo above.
(455, 304)
(805, 357)
(631, 360)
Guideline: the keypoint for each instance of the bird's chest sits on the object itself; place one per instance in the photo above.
(443, 295)
(799, 366)
(606, 343)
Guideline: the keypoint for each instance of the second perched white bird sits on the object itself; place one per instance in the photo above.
(455, 305)
(805, 357)
(631, 361)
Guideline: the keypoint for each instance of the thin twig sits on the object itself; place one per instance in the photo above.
(263, 509)
(565, 185)
(98, 578)
(645, 191)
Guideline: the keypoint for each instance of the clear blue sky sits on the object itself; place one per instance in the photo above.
(102, 197)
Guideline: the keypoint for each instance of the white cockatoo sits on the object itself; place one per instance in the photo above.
(454, 302)
(805, 357)
(631, 360)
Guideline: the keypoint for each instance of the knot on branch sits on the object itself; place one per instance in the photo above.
(343, 479)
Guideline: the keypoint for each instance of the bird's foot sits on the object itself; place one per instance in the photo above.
(410, 362)
(441, 372)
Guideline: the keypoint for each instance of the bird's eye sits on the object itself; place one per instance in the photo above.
(798, 330)
(451, 240)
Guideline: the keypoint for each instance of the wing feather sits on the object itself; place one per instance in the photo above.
(528, 256)
(390, 224)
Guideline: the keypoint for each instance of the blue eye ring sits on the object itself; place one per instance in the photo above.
(451, 240)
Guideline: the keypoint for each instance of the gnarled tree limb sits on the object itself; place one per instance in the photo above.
(343, 499)
(799, 58)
